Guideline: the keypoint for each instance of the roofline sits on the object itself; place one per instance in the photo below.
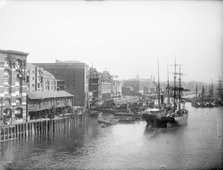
(59, 64)
(13, 52)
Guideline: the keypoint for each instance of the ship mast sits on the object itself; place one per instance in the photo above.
(202, 93)
(175, 84)
(158, 86)
(168, 86)
(196, 92)
(174, 91)
(220, 95)
(179, 90)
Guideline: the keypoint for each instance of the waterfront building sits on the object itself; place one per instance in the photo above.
(12, 86)
(116, 87)
(74, 74)
(39, 79)
(94, 80)
(105, 86)
(47, 104)
(49, 81)
(34, 78)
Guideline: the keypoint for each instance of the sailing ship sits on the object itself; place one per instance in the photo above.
(153, 116)
(169, 114)
(195, 102)
(204, 99)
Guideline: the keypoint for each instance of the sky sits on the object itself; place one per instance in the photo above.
(126, 38)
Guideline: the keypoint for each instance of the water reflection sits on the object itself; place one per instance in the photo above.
(83, 144)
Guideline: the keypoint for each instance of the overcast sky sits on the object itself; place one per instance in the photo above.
(126, 38)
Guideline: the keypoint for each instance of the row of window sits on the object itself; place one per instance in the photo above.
(7, 101)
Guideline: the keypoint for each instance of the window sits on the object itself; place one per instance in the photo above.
(17, 90)
(7, 102)
(8, 111)
(18, 63)
(33, 78)
(18, 101)
(27, 79)
(38, 85)
(18, 80)
(7, 62)
(6, 75)
(7, 90)
(18, 113)
(6, 80)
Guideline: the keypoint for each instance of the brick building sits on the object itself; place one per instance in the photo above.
(75, 76)
(49, 81)
(39, 79)
(34, 78)
(12, 86)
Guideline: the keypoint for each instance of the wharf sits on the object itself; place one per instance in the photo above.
(35, 127)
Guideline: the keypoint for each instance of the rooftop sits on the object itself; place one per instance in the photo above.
(63, 64)
(47, 74)
(68, 61)
(40, 95)
(13, 52)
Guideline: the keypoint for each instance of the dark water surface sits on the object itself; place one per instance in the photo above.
(86, 145)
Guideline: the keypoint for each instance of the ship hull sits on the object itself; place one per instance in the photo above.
(181, 120)
(165, 121)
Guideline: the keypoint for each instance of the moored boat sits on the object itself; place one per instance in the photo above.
(95, 113)
(175, 115)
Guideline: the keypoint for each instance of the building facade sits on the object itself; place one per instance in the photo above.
(74, 75)
(105, 86)
(39, 79)
(116, 87)
(49, 81)
(48, 104)
(13, 86)
(93, 85)
(34, 78)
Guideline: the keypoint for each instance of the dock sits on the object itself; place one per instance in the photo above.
(36, 127)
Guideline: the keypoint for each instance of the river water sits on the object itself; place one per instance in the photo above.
(87, 145)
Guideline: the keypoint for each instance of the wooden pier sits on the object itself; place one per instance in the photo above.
(37, 127)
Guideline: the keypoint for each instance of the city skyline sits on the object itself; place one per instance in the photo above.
(125, 38)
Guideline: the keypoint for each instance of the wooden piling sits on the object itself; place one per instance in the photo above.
(39, 128)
